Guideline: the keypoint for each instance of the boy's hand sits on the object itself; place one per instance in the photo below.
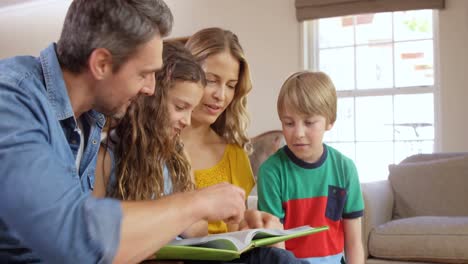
(259, 219)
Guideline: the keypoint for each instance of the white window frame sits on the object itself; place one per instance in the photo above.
(310, 61)
(310, 48)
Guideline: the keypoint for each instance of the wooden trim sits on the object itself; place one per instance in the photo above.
(303, 3)
(314, 9)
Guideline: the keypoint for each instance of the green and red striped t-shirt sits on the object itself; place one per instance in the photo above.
(315, 194)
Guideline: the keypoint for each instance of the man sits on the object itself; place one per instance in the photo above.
(51, 112)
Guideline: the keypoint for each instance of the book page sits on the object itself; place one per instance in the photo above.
(238, 240)
(262, 233)
(231, 240)
(229, 246)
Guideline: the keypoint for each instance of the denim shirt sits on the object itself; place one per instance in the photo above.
(47, 213)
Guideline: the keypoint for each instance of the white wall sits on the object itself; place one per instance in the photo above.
(453, 35)
(267, 29)
(28, 28)
(270, 35)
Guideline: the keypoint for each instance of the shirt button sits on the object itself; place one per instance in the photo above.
(94, 141)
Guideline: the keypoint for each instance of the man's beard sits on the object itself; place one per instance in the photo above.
(120, 112)
(118, 115)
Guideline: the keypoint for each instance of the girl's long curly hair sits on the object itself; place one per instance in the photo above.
(145, 143)
(232, 124)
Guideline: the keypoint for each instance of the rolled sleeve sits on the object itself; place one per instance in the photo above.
(103, 218)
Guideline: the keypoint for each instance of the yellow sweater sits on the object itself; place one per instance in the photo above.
(234, 168)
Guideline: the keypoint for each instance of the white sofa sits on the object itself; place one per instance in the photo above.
(420, 214)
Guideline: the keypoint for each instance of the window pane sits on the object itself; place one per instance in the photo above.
(374, 66)
(372, 160)
(335, 32)
(374, 28)
(413, 25)
(339, 65)
(408, 148)
(414, 63)
(369, 58)
(374, 118)
(348, 149)
(414, 117)
(343, 130)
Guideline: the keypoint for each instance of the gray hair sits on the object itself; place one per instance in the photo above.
(119, 26)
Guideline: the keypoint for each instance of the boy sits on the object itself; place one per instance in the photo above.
(309, 183)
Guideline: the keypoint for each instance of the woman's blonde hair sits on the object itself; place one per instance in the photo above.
(233, 122)
(145, 143)
(309, 93)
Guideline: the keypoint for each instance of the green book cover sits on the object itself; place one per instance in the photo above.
(229, 246)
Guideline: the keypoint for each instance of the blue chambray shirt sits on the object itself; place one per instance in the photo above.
(47, 213)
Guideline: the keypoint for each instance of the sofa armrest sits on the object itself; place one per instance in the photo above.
(378, 202)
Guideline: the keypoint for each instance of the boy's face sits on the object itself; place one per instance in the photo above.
(304, 134)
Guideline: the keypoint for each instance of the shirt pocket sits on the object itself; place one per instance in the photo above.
(335, 202)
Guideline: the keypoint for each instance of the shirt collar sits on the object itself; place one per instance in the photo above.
(304, 164)
(56, 88)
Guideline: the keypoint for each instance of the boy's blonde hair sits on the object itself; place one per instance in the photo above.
(309, 93)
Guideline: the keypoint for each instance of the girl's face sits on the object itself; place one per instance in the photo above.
(183, 96)
(222, 74)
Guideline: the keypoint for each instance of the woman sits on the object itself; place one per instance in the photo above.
(144, 157)
(216, 141)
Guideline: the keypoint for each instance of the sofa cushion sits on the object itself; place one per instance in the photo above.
(424, 238)
(430, 188)
(433, 156)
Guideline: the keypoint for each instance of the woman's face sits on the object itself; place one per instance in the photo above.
(222, 74)
(182, 99)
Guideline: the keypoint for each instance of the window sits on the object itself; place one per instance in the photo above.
(382, 65)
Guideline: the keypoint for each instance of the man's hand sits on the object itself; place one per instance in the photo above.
(222, 202)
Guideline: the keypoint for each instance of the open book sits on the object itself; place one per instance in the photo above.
(231, 245)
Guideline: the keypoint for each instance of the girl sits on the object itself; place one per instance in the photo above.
(144, 158)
